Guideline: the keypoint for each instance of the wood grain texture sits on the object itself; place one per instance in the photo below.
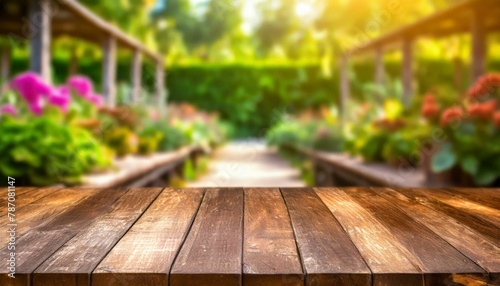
(328, 255)
(19, 192)
(487, 197)
(49, 207)
(212, 252)
(144, 256)
(480, 225)
(461, 203)
(42, 240)
(270, 255)
(439, 261)
(390, 262)
(73, 263)
(475, 246)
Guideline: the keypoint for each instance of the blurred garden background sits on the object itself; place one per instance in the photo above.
(349, 92)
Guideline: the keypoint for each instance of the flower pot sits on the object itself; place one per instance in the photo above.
(455, 177)
(447, 178)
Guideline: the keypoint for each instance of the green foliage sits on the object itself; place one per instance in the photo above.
(44, 151)
(444, 160)
(328, 138)
(400, 147)
(473, 148)
(251, 98)
(122, 140)
(149, 140)
(171, 137)
(288, 133)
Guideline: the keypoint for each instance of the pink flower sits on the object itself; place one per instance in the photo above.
(81, 85)
(96, 99)
(36, 107)
(60, 97)
(8, 109)
(31, 87)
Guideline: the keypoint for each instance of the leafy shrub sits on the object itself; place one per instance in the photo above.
(171, 138)
(149, 140)
(44, 151)
(122, 140)
(288, 133)
(328, 138)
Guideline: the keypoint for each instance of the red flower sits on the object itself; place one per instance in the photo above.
(430, 109)
(482, 110)
(484, 85)
(451, 115)
(429, 98)
(496, 119)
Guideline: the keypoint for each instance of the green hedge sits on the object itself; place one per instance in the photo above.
(253, 97)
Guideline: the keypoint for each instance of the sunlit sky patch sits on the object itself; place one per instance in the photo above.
(304, 9)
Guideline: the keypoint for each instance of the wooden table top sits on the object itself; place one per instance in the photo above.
(325, 236)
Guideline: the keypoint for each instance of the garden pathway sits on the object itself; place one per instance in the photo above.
(248, 163)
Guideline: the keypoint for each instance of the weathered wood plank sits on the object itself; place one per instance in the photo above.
(28, 196)
(270, 254)
(52, 232)
(328, 255)
(39, 211)
(440, 262)
(212, 252)
(144, 256)
(479, 210)
(487, 197)
(390, 262)
(475, 246)
(73, 263)
(4, 196)
(484, 227)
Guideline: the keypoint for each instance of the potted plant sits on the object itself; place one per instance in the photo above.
(470, 154)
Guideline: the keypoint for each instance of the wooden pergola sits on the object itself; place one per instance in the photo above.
(477, 17)
(38, 21)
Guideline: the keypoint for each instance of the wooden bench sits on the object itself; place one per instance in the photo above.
(142, 171)
(301, 236)
(341, 169)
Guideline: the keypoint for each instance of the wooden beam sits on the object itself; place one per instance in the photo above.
(160, 84)
(79, 10)
(345, 88)
(40, 37)
(479, 50)
(407, 71)
(109, 71)
(136, 76)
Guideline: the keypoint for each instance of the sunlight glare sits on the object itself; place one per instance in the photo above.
(304, 9)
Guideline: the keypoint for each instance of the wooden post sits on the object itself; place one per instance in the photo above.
(345, 88)
(379, 70)
(136, 76)
(407, 73)
(40, 38)
(478, 55)
(73, 62)
(5, 64)
(160, 82)
(109, 71)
